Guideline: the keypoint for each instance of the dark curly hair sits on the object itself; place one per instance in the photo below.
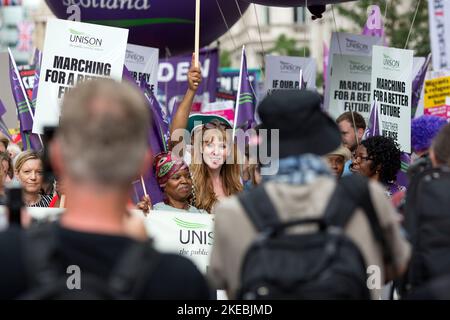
(385, 153)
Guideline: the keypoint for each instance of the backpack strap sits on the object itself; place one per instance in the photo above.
(259, 208)
(353, 192)
(131, 274)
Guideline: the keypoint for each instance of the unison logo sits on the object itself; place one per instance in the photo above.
(110, 4)
(390, 63)
(134, 56)
(358, 67)
(355, 45)
(83, 38)
(287, 67)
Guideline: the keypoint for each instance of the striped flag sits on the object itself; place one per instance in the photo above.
(24, 109)
(244, 114)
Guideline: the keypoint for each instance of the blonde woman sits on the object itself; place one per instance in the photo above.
(29, 171)
(215, 169)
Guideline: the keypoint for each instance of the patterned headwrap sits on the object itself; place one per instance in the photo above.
(166, 166)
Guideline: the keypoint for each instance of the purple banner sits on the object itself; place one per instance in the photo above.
(157, 139)
(172, 79)
(244, 116)
(37, 69)
(228, 83)
(29, 139)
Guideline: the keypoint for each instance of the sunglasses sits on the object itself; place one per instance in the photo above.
(214, 124)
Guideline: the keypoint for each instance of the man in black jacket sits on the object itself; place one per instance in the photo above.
(98, 150)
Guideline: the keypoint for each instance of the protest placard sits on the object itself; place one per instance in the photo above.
(142, 63)
(283, 73)
(346, 44)
(75, 52)
(391, 88)
(350, 85)
(187, 234)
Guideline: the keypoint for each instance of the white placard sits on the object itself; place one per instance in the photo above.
(350, 85)
(187, 234)
(143, 62)
(75, 52)
(347, 44)
(391, 87)
(439, 22)
(283, 73)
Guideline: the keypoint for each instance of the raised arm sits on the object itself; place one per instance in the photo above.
(180, 119)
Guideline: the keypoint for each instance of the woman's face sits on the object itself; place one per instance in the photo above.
(179, 186)
(215, 149)
(30, 176)
(361, 163)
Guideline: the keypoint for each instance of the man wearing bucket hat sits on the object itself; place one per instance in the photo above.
(337, 159)
(302, 188)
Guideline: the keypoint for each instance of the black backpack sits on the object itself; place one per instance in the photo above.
(48, 281)
(322, 264)
(427, 222)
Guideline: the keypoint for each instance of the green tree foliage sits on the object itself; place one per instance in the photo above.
(399, 16)
(225, 59)
(285, 46)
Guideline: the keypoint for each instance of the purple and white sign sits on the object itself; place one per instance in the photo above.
(172, 79)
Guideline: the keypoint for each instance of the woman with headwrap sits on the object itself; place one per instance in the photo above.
(174, 178)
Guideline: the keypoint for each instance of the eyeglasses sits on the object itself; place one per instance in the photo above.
(359, 158)
(214, 124)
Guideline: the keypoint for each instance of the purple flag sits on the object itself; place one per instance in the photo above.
(373, 127)
(37, 68)
(244, 115)
(29, 139)
(417, 85)
(2, 108)
(157, 139)
(4, 129)
(374, 26)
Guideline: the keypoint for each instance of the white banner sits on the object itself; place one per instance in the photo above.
(187, 234)
(391, 87)
(350, 85)
(439, 21)
(75, 52)
(347, 44)
(143, 62)
(284, 72)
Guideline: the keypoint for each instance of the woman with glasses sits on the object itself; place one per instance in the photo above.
(378, 158)
(28, 170)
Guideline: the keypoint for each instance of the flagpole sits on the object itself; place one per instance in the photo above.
(16, 71)
(238, 94)
(301, 78)
(197, 32)
(143, 186)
